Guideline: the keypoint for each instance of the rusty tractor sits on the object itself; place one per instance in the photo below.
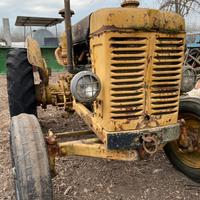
(192, 57)
(125, 77)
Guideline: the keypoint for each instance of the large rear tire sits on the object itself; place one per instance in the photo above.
(21, 90)
(187, 162)
(29, 158)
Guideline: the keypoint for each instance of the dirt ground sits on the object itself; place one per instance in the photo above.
(96, 179)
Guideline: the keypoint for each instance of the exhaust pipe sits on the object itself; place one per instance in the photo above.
(68, 29)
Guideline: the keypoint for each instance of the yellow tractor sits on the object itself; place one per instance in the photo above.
(124, 77)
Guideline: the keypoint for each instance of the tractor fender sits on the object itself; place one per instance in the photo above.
(36, 59)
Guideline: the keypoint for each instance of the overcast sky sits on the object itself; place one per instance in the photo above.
(13, 8)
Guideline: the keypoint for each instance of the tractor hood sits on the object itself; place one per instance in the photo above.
(137, 19)
(120, 19)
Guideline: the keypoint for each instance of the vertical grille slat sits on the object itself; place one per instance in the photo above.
(128, 57)
(166, 75)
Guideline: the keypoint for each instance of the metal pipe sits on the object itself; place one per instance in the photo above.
(68, 28)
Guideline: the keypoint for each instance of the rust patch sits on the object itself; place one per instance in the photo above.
(189, 139)
(53, 151)
(148, 122)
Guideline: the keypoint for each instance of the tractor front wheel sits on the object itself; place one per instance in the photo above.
(31, 171)
(184, 154)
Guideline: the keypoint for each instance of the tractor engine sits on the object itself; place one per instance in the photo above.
(80, 36)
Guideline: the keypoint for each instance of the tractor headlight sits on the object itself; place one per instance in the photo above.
(188, 79)
(85, 86)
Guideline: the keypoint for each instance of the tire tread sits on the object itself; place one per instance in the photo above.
(21, 90)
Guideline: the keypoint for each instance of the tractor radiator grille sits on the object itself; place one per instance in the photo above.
(166, 74)
(140, 74)
(128, 58)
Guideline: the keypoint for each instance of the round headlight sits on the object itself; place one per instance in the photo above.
(188, 79)
(85, 87)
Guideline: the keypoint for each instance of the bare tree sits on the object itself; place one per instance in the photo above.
(193, 27)
(18, 34)
(182, 7)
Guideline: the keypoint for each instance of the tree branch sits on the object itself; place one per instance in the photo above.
(182, 7)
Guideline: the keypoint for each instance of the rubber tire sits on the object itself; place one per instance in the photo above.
(29, 158)
(20, 80)
(187, 105)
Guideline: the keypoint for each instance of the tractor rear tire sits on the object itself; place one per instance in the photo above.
(187, 163)
(21, 90)
(31, 171)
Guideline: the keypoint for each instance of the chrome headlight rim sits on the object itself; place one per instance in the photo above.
(76, 81)
(186, 84)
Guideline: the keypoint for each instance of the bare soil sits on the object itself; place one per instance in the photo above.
(96, 179)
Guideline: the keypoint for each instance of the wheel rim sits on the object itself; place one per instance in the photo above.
(192, 125)
(191, 56)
